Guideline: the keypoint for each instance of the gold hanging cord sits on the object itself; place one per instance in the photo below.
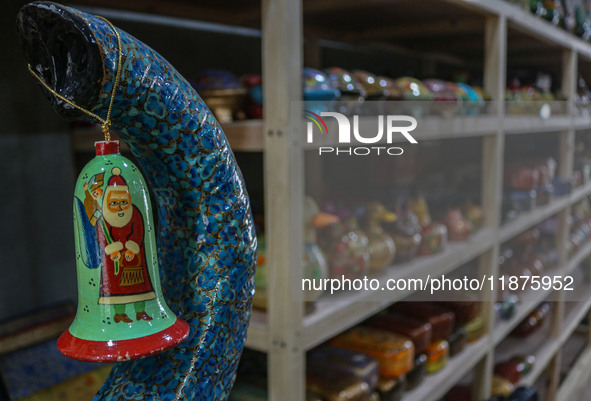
(106, 123)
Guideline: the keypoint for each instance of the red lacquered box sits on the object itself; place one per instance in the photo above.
(441, 320)
(420, 332)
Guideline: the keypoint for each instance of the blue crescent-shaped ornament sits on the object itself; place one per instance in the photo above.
(205, 235)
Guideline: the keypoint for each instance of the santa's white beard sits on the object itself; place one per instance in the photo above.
(118, 219)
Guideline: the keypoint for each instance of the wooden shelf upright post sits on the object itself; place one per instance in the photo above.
(282, 65)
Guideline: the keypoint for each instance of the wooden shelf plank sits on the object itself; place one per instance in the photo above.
(550, 348)
(257, 337)
(579, 373)
(533, 298)
(245, 136)
(541, 344)
(539, 214)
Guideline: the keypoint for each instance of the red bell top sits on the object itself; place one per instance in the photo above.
(106, 147)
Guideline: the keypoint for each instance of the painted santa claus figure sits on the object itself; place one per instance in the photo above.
(124, 273)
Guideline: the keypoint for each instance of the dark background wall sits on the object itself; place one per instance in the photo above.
(36, 181)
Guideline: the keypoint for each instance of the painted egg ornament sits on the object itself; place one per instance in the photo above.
(374, 88)
(318, 89)
(391, 91)
(447, 101)
(382, 248)
(315, 266)
(121, 313)
(415, 90)
(352, 93)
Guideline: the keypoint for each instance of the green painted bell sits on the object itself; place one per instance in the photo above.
(121, 314)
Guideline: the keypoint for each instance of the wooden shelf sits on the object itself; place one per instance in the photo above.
(530, 299)
(245, 136)
(550, 348)
(436, 385)
(539, 214)
(257, 337)
(542, 344)
(578, 375)
(529, 24)
(340, 311)
(452, 32)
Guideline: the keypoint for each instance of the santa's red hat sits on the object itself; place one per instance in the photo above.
(116, 180)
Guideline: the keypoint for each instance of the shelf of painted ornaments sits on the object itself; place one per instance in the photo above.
(435, 385)
(434, 127)
(336, 312)
(529, 24)
(542, 343)
(530, 299)
(244, 136)
(548, 349)
(247, 135)
(528, 219)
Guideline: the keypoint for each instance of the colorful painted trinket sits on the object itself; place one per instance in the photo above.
(334, 385)
(259, 300)
(358, 364)
(391, 91)
(533, 321)
(406, 233)
(314, 262)
(441, 320)
(392, 388)
(374, 87)
(348, 256)
(434, 239)
(121, 313)
(395, 353)
(413, 89)
(346, 83)
(254, 100)
(382, 249)
(458, 227)
(418, 331)
(475, 329)
(317, 89)
(437, 356)
(515, 368)
(415, 377)
(501, 387)
(447, 101)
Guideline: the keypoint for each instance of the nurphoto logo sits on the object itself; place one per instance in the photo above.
(387, 126)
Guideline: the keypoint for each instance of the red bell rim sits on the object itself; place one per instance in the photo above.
(122, 350)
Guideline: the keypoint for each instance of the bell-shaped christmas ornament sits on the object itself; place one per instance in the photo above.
(121, 313)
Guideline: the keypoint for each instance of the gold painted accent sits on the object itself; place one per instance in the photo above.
(131, 276)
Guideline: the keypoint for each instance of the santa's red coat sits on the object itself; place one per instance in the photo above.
(111, 291)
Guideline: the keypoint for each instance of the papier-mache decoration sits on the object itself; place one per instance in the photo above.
(206, 255)
(121, 313)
